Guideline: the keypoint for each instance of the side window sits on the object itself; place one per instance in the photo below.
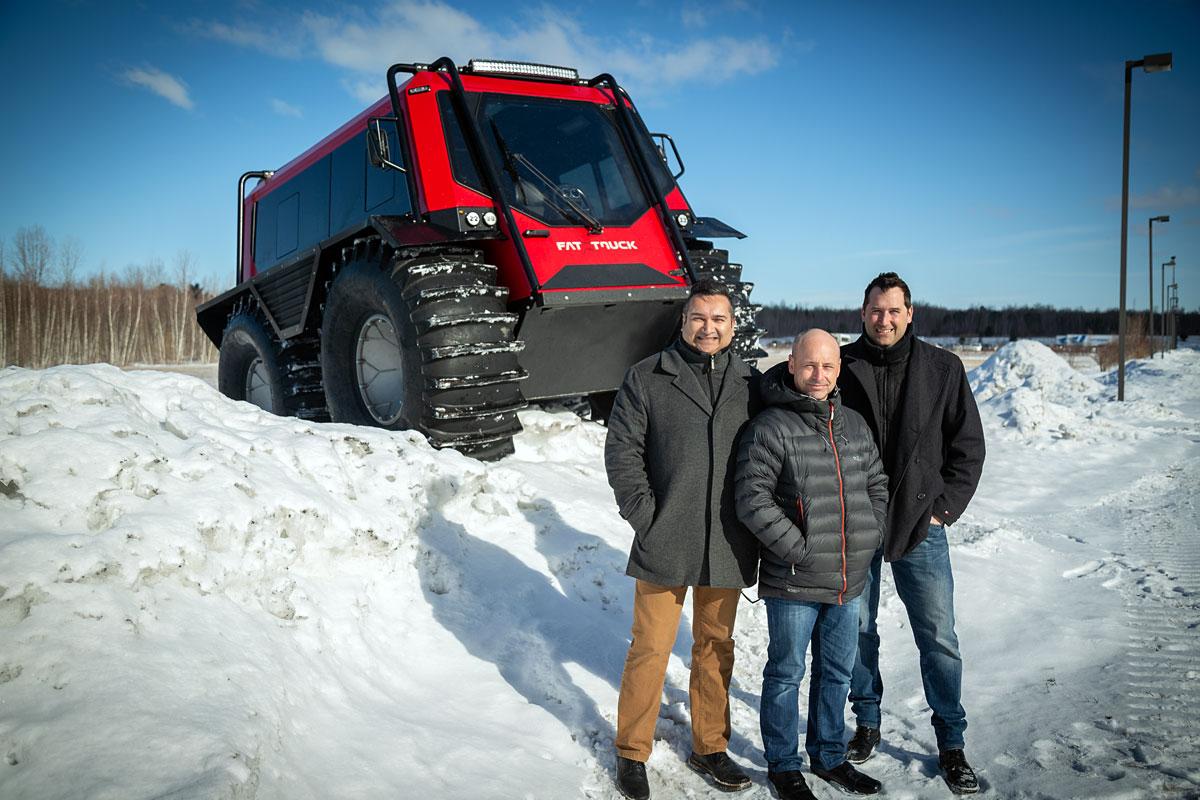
(461, 162)
(287, 225)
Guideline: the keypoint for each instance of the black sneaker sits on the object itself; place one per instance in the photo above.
(848, 779)
(957, 772)
(790, 785)
(725, 774)
(631, 779)
(862, 744)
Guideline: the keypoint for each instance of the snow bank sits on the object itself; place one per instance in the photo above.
(237, 602)
(201, 600)
(1031, 388)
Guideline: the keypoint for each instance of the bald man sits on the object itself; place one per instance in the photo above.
(810, 486)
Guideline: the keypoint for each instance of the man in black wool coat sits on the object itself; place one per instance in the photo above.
(917, 401)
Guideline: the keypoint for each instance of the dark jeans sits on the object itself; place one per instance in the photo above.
(832, 629)
(925, 584)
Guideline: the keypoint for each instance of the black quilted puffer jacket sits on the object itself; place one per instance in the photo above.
(810, 485)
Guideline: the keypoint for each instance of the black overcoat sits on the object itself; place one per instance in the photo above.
(938, 456)
(669, 457)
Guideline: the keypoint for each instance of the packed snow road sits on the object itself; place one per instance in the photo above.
(200, 600)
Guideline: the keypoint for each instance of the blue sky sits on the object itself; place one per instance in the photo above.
(973, 147)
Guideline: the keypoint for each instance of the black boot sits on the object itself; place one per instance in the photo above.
(862, 744)
(631, 779)
(957, 772)
(725, 774)
(790, 785)
(848, 779)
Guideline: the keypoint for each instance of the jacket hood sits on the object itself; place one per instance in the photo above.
(777, 389)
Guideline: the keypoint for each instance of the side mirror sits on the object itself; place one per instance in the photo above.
(664, 139)
(381, 133)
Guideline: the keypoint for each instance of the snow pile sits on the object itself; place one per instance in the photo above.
(239, 600)
(201, 600)
(1032, 389)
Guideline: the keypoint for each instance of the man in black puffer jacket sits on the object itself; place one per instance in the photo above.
(810, 485)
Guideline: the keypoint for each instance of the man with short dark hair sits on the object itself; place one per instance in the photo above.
(917, 401)
(669, 457)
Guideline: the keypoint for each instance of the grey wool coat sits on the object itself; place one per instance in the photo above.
(669, 457)
(810, 485)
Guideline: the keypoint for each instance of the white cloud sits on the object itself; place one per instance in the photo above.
(406, 30)
(285, 44)
(1167, 197)
(694, 16)
(366, 43)
(366, 90)
(285, 109)
(160, 83)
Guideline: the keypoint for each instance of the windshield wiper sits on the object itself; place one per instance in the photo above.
(512, 159)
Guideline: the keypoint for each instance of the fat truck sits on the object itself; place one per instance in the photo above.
(481, 238)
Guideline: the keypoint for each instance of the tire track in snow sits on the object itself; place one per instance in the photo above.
(1161, 710)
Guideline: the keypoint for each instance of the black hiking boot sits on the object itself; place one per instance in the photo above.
(848, 779)
(957, 772)
(725, 774)
(862, 744)
(790, 785)
(631, 779)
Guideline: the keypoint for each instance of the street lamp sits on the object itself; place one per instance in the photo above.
(1173, 300)
(1159, 62)
(1162, 282)
(1150, 270)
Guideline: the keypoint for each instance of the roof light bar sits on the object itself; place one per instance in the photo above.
(487, 66)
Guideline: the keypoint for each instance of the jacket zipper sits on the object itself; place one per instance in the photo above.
(837, 461)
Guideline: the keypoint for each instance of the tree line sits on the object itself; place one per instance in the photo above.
(49, 315)
(1013, 322)
(146, 313)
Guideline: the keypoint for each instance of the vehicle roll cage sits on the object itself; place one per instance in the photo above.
(470, 127)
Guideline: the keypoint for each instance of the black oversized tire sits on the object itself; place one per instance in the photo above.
(456, 367)
(711, 262)
(248, 368)
(283, 378)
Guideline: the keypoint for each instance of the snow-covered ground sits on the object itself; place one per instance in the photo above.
(199, 600)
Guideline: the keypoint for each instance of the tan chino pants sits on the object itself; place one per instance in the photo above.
(656, 611)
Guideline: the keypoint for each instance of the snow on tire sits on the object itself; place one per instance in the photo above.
(423, 341)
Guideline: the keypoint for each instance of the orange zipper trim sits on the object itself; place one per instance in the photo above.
(837, 461)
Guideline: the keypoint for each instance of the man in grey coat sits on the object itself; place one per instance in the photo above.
(669, 457)
(811, 487)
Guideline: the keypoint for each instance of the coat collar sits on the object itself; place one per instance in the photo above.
(737, 380)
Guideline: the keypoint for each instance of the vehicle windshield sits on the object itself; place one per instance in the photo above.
(558, 160)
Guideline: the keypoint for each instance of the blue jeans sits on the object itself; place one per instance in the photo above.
(833, 630)
(925, 584)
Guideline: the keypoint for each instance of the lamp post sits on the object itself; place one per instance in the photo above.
(1173, 299)
(1150, 270)
(1159, 62)
(1162, 283)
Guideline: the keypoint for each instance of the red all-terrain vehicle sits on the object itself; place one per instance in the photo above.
(479, 238)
